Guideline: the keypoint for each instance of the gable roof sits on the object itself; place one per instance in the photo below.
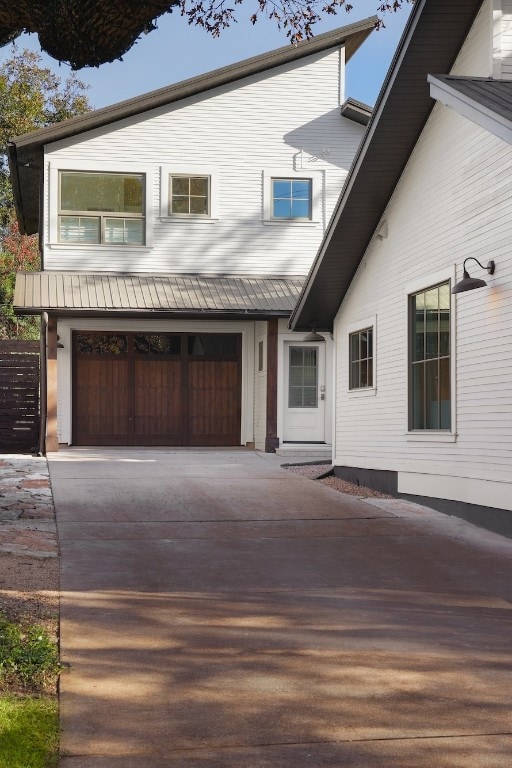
(431, 42)
(485, 101)
(245, 297)
(26, 151)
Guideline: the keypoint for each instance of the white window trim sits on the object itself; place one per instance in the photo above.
(55, 166)
(362, 325)
(188, 170)
(316, 178)
(422, 284)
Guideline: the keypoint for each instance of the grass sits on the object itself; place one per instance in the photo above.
(29, 729)
(29, 722)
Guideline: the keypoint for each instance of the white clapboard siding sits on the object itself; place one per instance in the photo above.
(286, 120)
(454, 200)
(260, 387)
(506, 39)
(476, 56)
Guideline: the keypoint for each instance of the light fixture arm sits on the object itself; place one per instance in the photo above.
(491, 265)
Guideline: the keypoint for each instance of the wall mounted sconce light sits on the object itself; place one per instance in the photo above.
(313, 335)
(470, 283)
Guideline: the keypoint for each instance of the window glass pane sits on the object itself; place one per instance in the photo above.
(354, 347)
(363, 344)
(79, 229)
(418, 396)
(295, 397)
(369, 374)
(300, 209)
(199, 205)
(180, 205)
(354, 376)
(281, 188)
(123, 231)
(432, 333)
(180, 185)
(291, 198)
(212, 344)
(300, 189)
(101, 344)
(157, 344)
(430, 382)
(303, 377)
(444, 332)
(282, 209)
(199, 186)
(364, 373)
(104, 192)
(445, 394)
(310, 398)
(432, 411)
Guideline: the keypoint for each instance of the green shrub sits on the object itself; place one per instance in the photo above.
(28, 657)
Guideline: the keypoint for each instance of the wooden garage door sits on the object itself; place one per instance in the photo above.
(156, 389)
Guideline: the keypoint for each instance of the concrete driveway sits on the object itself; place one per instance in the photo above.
(219, 612)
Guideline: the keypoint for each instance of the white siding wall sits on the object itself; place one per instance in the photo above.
(454, 200)
(261, 123)
(476, 56)
(260, 387)
(506, 40)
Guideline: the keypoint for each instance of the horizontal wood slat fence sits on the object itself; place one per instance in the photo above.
(19, 396)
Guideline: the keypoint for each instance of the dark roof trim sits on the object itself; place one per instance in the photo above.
(356, 111)
(484, 101)
(431, 40)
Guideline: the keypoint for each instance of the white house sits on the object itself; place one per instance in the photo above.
(176, 230)
(423, 375)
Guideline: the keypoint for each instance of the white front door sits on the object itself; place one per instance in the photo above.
(304, 393)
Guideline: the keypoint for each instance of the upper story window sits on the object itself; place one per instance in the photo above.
(189, 195)
(361, 359)
(291, 199)
(429, 376)
(101, 208)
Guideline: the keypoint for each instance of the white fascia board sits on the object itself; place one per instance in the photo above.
(487, 119)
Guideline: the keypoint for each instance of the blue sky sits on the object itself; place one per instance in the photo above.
(176, 51)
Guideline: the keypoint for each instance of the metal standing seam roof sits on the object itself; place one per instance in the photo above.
(431, 42)
(73, 293)
(495, 96)
(26, 151)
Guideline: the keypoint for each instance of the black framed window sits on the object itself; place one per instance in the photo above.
(361, 359)
(429, 374)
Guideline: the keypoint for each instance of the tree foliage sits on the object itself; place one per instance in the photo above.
(87, 33)
(31, 97)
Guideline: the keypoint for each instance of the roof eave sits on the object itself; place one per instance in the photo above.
(324, 289)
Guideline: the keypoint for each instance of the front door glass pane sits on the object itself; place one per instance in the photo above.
(303, 377)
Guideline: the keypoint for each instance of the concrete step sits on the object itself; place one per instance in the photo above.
(311, 451)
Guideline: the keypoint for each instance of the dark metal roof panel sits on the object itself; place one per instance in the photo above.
(494, 95)
(61, 292)
(431, 42)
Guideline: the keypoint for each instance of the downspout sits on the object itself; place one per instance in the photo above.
(43, 386)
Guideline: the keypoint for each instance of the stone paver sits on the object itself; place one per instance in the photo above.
(27, 516)
(219, 612)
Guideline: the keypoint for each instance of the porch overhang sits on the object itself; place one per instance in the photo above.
(155, 296)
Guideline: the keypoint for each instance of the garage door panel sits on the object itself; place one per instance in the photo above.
(158, 397)
(214, 416)
(101, 400)
(156, 389)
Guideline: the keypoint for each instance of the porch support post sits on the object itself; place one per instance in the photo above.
(271, 438)
(52, 441)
